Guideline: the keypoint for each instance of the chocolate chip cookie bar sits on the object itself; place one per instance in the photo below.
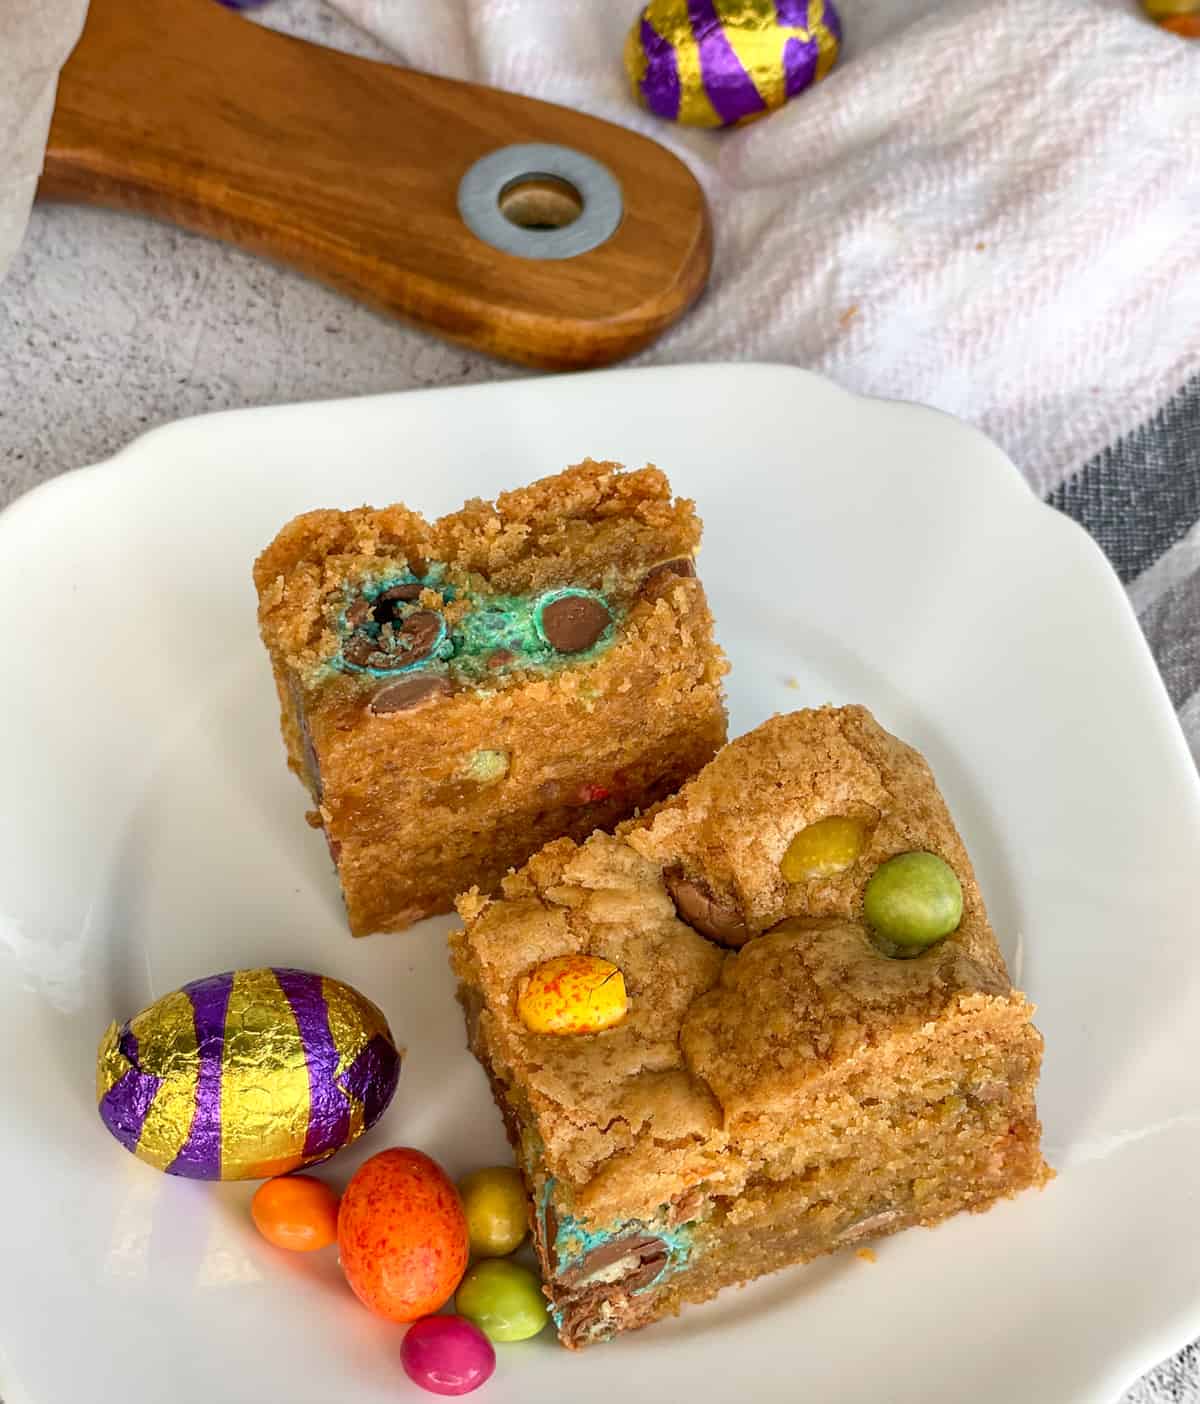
(767, 1020)
(456, 693)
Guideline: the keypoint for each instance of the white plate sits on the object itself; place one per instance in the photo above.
(854, 550)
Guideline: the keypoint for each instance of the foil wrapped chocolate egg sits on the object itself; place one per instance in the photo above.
(717, 63)
(247, 1074)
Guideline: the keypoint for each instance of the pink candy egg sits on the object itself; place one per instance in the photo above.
(447, 1355)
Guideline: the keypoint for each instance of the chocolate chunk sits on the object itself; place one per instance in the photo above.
(358, 613)
(361, 651)
(408, 694)
(406, 593)
(645, 1274)
(418, 635)
(582, 1322)
(499, 657)
(684, 567)
(572, 623)
(419, 566)
(650, 1251)
(703, 912)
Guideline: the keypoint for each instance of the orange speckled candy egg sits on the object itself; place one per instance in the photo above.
(573, 994)
(296, 1212)
(402, 1235)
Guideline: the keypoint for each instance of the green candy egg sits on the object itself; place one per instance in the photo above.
(504, 1300)
(913, 900)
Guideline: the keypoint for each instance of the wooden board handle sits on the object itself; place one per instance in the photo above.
(349, 170)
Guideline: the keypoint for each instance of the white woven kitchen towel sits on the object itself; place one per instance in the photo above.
(35, 38)
(991, 206)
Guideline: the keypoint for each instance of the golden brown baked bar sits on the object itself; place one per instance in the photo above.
(455, 694)
(780, 1087)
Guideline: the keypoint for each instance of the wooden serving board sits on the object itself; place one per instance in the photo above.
(349, 170)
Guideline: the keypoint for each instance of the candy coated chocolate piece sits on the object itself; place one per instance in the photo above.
(703, 912)
(573, 994)
(497, 1210)
(247, 1074)
(419, 634)
(447, 1355)
(572, 621)
(661, 578)
(402, 1235)
(642, 1255)
(405, 593)
(823, 848)
(362, 651)
(408, 694)
(913, 900)
(684, 567)
(296, 1212)
(1165, 9)
(503, 1299)
(1186, 26)
(713, 64)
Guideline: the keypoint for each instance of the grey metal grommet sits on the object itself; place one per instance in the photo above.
(480, 191)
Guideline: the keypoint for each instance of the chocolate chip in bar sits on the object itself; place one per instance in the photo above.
(683, 566)
(362, 651)
(697, 907)
(359, 612)
(404, 593)
(649, 1252)
(663, 577)
(573, 623)
(418, 635)
(408, 694)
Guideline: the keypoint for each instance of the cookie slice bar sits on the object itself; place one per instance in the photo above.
(763, 1022)
(455, 694)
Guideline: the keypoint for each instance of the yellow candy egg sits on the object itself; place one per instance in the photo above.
(1165, 9)
(573, 994)
(497, 1210)
(822, 849)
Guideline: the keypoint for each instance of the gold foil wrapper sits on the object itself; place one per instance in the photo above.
(718, 63)
(247, 1074)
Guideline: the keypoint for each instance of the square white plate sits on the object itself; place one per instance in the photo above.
(854, 550)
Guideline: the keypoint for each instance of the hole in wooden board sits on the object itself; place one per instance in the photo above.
(540, 202)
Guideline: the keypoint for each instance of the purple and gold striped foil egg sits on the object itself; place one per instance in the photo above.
(247, 1074)
(717, 63)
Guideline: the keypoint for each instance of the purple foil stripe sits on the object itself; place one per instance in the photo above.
(799, 64)
(124, 1106)
(729, 87)
(660, 86)
(792, 14)
(371, 1079)
(200, 1158)
(329, 1113)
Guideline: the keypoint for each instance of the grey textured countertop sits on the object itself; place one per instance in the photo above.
(111, 324)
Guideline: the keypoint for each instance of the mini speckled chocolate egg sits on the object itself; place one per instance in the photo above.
(247, 1074)
(717, 63)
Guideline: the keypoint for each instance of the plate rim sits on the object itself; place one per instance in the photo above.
(1001, 469)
